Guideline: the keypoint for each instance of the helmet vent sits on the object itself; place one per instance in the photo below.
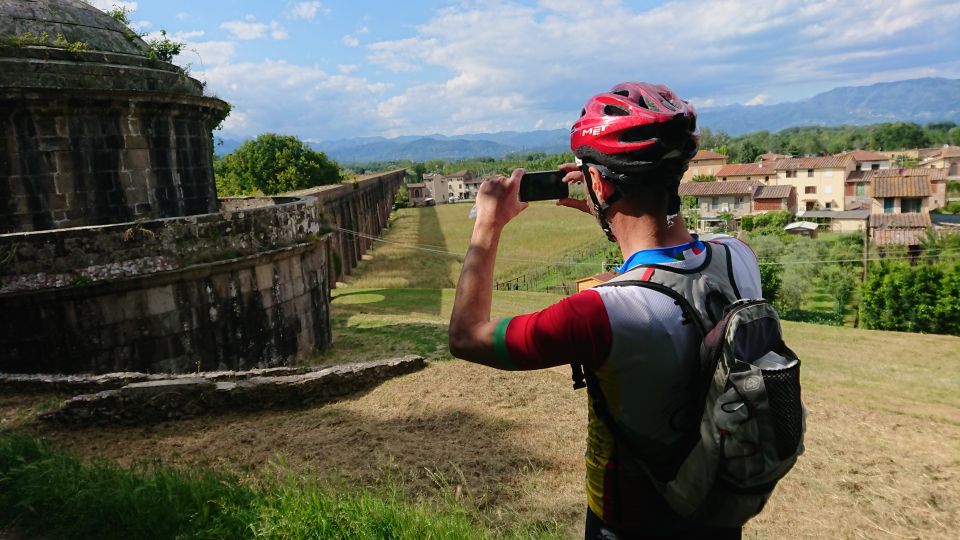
(640, 134)
(583, 112)
(622, 92)
(613, 110)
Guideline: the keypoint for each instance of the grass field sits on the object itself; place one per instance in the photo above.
(883, 439)
(541, 234)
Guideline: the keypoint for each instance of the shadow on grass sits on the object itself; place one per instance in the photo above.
(434, 453)
(429, 232)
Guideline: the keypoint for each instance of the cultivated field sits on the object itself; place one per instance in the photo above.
(883, 440)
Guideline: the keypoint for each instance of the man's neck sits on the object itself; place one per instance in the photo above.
(635, 233)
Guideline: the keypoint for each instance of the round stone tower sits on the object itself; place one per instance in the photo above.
(92, 130)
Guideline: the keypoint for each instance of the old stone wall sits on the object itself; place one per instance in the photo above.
(156, 400)
(248, 287)
(75, 159)
(244, 226)
(261, 310)
(356, 214)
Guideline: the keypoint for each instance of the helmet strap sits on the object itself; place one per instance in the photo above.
(600, 209)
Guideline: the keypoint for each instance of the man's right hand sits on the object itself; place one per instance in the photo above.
(573, 176)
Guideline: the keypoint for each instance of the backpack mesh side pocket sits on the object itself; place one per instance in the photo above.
(783, 393)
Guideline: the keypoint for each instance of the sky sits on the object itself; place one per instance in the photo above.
(329, 70)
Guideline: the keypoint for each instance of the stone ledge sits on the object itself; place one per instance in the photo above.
(187, 396)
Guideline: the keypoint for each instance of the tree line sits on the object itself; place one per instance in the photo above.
(819, 140)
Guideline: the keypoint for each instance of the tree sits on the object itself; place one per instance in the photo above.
(726, 221)
(839, 283)
(272, 164)
(898, 135)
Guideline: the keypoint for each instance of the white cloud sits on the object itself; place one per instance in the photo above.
(308, 10)
(286, 98)
(346, 69)
(351, 41)
(206, 54)
(249, 29)
(758, 99)
(182, 16)
(514, 64)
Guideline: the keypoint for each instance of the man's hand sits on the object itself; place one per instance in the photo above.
(497, 200)
(573, 176)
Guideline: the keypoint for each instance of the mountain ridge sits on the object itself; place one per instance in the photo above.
(915, 100)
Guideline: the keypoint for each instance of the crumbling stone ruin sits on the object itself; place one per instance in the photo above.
(142, 399)
(115, 253)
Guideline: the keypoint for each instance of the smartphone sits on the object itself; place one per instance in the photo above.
(543, 186)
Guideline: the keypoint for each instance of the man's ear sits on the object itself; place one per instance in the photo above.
(603, 188)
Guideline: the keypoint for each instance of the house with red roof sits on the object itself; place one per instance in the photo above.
(704, 163)
(947, 158)
(747, 172)
(818, 181)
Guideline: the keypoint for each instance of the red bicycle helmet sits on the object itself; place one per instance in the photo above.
(634, 128)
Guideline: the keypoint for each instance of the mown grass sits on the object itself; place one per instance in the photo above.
(425, 246)
(55, 495)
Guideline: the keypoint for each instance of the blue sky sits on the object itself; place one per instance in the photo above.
(333, 69)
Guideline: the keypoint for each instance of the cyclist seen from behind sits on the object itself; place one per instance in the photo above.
(635, 344)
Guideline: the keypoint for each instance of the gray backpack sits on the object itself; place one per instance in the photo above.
(752, 425)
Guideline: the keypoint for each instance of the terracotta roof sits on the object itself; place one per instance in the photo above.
(708, 154)
(888, 237)
(700, 189)
(858, 176)
(770, 156)
(774, 192)
(931, 174)
(416, 185)
(746, 169)
(914, 220)
(828, 162)
(901, 186)
(865, 155)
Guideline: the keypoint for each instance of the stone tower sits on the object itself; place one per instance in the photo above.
(92, 131)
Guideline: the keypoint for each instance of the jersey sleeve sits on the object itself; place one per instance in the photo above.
(574, 330)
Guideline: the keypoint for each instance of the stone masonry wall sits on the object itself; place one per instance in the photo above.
(363, 209)
(245, 288)
(243, 227)
(262, 310)
(69, 160)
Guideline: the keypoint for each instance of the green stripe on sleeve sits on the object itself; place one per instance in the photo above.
(500, 344)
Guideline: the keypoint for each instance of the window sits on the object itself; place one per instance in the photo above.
(888, 203)
(810, 190)
(766, 178)
(859, 167)
(714, 202)
(811, 205)
(738, 202)
(829, 206)
(874, 166)
(791, 174)
(809, 173)
(861, 190)
(909, 205)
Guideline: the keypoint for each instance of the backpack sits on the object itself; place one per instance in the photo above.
(751, 429)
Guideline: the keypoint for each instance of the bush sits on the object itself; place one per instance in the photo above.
(912, 299)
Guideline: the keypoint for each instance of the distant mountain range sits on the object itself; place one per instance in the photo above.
(916, 100)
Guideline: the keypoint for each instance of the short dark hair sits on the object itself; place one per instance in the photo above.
(655, 191)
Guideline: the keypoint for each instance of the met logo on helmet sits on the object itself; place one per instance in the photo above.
(593, 131)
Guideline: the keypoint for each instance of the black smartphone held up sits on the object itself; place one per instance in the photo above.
(543, 186)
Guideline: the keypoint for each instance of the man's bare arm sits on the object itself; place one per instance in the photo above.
(471, 330)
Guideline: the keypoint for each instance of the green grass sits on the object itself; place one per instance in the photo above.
(383, 323)
(55, 495)
(541, 235)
